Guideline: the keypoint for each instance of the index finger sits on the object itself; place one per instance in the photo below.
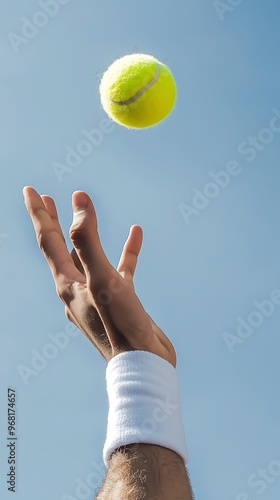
(50, 239)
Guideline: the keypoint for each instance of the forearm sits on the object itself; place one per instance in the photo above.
(144, 409)
(145, 471)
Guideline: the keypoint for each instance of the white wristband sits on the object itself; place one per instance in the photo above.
(144, 403)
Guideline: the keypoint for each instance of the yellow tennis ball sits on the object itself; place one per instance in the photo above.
(137, 91)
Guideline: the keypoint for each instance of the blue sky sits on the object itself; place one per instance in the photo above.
(200, 269)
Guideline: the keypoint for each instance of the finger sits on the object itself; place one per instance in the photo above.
(85, 238)
(51, 209)
(131, 250)
(50, 240)
(77, 261)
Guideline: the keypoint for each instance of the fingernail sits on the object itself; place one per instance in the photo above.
(80, 202)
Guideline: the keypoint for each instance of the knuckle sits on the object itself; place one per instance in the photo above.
(64, 292)
(41, 240)
(78, 236)
(60, 292)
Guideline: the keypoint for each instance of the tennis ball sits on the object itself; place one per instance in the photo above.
(137, 91)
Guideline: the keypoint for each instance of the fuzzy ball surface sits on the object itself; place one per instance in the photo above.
(137, 91)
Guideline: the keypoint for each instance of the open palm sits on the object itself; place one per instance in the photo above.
(99, 299)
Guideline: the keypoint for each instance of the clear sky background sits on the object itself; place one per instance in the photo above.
(200, 269)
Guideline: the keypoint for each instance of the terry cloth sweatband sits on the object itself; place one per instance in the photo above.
(144, 403)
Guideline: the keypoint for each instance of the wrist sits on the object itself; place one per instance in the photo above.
(144, 404)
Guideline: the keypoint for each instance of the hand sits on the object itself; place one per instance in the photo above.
(99, 299)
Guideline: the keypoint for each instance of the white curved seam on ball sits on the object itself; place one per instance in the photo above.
(138, 94)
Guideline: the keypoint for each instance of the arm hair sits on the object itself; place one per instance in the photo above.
(144, 471)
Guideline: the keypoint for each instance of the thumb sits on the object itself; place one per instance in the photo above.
(84, 236)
